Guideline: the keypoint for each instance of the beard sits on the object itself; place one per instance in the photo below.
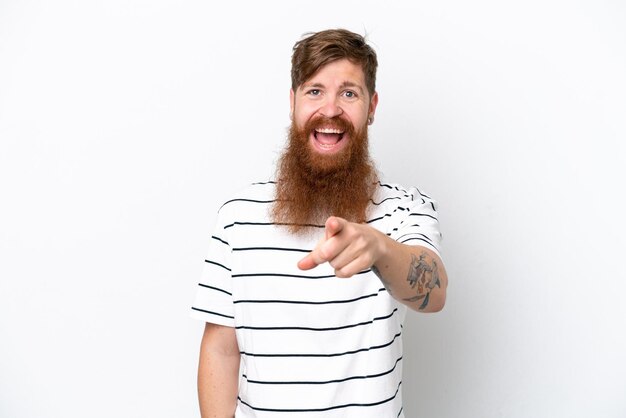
(312, 186)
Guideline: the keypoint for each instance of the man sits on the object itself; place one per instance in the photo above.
(308, 277)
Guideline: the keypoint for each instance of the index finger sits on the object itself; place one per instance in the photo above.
(308, 262)
(313, 258)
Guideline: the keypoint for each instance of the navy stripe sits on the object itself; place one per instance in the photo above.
(408, 226)
(415, 233)
(217, 264)
(271, 224)
(423, 194)
(324, 382)
(304, 302)
(378, 219)
(291, 275)
(320, 226)
(392, 187)
(272, 248)
(211, 312)
(323, 409)
(387, 214)
(423, 214)
(387, 186)
(419, 239)
(247, 200)
(215, 288)
(318, 329)
(220, 240)
(249, 223)
(384, 200)
(345, 353)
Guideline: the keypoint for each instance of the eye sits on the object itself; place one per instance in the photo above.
(314, 92)
(349, 94)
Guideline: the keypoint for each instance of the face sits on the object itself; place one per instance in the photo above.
(329, 103)
(325, 168)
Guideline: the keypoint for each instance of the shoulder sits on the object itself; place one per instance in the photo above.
(412, 216)
(247, 204)
(258, 193)
(394, 194)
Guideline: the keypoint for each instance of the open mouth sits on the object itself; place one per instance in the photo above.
(328, 139)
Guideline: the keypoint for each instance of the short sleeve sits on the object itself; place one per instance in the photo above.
(214, 299)
(415, 221)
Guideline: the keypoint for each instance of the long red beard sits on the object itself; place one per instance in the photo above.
(311, 186)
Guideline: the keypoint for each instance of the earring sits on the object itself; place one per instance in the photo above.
(370, 120)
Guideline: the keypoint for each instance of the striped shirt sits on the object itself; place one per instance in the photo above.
(312, 345)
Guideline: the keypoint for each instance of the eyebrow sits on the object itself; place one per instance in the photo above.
(342, 86)
(353, 85)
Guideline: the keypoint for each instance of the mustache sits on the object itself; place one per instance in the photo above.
(336, 122)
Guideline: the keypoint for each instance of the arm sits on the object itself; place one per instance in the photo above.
(413, 275)
(218, 372)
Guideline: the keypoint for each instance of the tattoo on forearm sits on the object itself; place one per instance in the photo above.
(382, 279)
(422, 277)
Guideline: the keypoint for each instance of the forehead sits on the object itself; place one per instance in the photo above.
(338, 72)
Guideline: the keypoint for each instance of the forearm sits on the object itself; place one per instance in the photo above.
(413, 275)
(218, 373)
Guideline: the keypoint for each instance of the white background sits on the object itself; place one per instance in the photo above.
(124, 124)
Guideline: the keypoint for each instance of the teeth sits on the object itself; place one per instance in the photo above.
(329, 131)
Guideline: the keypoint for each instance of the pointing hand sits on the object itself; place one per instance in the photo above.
(348, 247)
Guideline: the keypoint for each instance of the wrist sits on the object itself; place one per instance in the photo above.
(384, 247)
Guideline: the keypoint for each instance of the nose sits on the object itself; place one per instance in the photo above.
(330, 108)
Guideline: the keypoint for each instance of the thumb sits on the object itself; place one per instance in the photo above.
(334, 225)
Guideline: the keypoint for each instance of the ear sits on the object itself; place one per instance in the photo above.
(292, 103)
(373, 104)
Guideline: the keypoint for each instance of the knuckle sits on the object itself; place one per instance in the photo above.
(340, 273)
(324, 253)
